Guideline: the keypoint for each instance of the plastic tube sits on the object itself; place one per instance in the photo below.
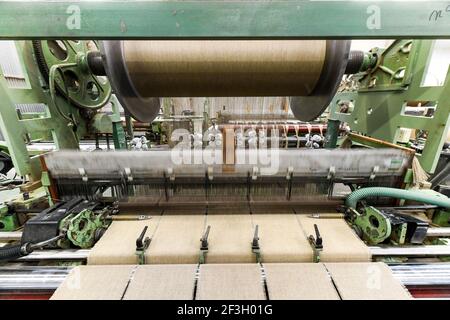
(423, 196)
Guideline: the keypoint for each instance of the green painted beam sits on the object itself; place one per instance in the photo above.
(224, 19)
(13, 133)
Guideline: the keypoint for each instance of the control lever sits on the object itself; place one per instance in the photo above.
(316, 243)
(204, 245)
(255, 245)
(142, 245)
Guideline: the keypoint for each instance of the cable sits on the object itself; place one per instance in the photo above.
(19, 250)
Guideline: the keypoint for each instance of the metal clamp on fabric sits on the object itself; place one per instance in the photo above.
(316, 244)
(142, 245)
(204, 245)
(255, 245)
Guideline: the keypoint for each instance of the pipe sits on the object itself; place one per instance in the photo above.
(20, 250)
(414, 195)
(18, 279)
(438, 232)
(411, 251)
(14, 252)
(332, 132)
(359, 61)
(10, 235)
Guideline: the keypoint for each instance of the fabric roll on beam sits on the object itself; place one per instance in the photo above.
(142, 71)
(220, 68)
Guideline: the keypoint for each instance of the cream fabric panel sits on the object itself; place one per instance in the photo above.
(340, 243)
(118, 244)
(299, 281)
(162, 282)
(94, 283)
(230, 282)
(366, 281)
(281, 238)
(176, 240)
(230, 238)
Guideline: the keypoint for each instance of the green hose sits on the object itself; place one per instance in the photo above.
(424, 196)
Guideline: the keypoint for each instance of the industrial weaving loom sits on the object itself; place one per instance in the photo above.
(335, 186)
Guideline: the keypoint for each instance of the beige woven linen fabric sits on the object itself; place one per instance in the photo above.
(299, 281)
(366, 281)
(94, 283)
(281, 238)
(230, 238)
(176, 240)
(118, 244)
(303, 281)
(340, 243)
(162, 282)
(230, 282)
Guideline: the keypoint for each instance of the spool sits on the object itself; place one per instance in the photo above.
(309, 71)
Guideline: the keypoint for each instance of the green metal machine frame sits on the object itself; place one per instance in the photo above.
(246, 19)
(224, 19)
(399, 75)
(63, 122)
(14, 130)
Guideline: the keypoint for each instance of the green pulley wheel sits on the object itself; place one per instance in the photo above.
(83, 87)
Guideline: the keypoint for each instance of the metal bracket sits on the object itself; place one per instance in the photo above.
(331, 173)
(142, 245)
(316, 243)
(204, 245)
(255, 173)
(375, 170)
(290, 172)
(171, 174)
(210, 173)
(289, 178)
(83, 174)
(255, 245)
(128, 174)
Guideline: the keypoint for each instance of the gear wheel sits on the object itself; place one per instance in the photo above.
(86, 90)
